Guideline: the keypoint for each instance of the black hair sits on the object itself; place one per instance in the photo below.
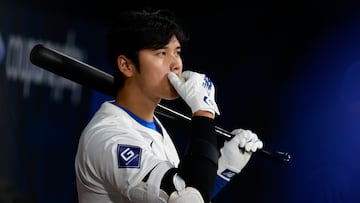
(137, 30)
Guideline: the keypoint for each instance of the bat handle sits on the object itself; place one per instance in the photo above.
(281, 157)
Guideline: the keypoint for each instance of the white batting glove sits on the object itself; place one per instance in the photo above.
(196, 90)
(233, 159)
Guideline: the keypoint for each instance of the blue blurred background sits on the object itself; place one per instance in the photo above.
(288, 70)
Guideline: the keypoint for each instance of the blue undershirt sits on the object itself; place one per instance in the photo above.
(220, 184)
(148, 124)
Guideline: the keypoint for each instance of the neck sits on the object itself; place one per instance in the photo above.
(137, 103)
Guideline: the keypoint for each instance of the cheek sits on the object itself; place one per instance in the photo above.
(159, 76)
(155, 78)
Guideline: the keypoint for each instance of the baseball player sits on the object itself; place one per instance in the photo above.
(125, 154)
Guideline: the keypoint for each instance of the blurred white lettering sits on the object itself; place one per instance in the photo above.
(19, 68)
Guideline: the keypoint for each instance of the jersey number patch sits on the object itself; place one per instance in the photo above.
(128, 156)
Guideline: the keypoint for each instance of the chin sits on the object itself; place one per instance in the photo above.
(171, 97)
(171, 94)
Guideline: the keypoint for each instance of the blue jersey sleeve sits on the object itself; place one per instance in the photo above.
(220, 183)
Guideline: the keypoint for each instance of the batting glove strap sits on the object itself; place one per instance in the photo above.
(226, 171)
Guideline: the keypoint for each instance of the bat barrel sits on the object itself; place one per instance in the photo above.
(72, 69)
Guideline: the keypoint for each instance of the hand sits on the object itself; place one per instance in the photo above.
(196, 90)
(233, 159)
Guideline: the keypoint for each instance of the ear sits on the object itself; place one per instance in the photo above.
(125, 66)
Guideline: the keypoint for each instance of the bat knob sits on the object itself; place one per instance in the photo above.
(281, 157)
(284, 156)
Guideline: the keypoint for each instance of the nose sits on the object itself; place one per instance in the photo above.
(175, 67)
(176, 64)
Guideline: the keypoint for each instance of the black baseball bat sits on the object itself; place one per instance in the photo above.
(96, 79)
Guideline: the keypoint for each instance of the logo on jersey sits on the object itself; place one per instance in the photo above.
(128, 156)
(228, 173)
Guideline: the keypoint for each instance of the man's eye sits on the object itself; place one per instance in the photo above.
(162, 53)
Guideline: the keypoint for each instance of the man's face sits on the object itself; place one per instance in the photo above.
(154, 68)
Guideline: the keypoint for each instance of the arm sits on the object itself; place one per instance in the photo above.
(199, 165)
(232, 159)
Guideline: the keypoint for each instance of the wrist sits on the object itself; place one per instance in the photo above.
(227, 173)
(204, 113)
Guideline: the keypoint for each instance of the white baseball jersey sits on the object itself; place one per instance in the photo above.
(115, 153)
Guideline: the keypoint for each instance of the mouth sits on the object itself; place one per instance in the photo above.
(173, 91)
(171, 87)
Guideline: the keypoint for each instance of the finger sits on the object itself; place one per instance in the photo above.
(251, 139)
(239, 137)
(242, 142)
(260, 144)
(249, 146)
(237, 131)
(253, 142)
(254, 145)
(186, 74)
(174, 80)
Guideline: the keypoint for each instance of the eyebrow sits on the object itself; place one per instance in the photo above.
(167, 47)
